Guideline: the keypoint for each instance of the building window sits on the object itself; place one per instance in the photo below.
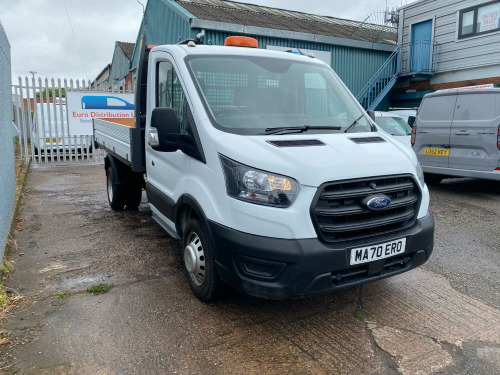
(479, 20)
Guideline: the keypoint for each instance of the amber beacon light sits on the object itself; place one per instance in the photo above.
(241, 41)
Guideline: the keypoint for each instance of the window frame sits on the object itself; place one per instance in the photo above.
(475, 10)
(185, 115)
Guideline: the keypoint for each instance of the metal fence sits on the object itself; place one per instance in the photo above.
(46, 136)
(7, 170)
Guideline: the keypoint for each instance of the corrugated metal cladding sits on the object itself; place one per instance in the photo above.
(120, 67)
(355, 66)
(163, 26)
(452, 53)
(7, 171)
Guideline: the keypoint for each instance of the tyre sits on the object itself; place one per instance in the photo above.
(134, 196)
(199, 263)
(432, 179)
(117, 194)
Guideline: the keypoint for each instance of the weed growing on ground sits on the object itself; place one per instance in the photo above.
(359, 315)
(61, 294)
(99, 289)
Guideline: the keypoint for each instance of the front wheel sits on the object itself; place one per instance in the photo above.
(199, 263)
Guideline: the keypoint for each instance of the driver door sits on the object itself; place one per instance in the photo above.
(167, 171)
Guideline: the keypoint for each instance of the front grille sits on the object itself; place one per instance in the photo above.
(338, 213)
(362, 272)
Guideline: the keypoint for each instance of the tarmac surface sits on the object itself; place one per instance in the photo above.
(441, 318)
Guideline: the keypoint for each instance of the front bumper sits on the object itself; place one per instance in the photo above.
(283, 268)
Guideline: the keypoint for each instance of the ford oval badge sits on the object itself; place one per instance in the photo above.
(377, 202)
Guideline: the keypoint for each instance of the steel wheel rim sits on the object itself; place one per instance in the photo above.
(110, 187)
(194, 252)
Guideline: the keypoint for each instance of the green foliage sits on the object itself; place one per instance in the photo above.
(61, 294)
(44, 93)
(99, 289)
(359, 315)
(3, 296)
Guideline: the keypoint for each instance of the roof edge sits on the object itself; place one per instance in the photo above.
(183, 13)
(287, 34)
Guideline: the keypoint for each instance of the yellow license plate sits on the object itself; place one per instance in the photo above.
(437, 151)
(53, 140)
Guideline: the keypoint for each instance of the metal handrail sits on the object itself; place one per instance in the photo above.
(426, 61)
(388, 70)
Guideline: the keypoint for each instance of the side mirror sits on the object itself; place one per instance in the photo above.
(371, 113)
(164, 133)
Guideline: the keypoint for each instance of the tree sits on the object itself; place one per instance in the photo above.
(44, 93)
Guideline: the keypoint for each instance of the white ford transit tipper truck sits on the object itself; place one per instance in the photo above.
(268, 170)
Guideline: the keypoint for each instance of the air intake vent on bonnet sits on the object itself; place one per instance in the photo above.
(297, 143)
(368, 140)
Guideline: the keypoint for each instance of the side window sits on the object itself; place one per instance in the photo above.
(169, 92)
(475, 107)
(438, 108)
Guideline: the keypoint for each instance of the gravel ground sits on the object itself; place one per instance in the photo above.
(441, 318)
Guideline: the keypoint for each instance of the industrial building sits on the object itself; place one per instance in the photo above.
(446, 44)
(355, 50)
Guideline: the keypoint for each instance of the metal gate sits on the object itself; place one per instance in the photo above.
(48, 97)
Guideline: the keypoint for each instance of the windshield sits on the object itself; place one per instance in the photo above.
(252, 95)
(393, 125)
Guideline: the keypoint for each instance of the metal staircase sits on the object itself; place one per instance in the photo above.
(381, 83)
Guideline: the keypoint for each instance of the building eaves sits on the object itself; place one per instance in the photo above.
(127, 48)
(108, 66)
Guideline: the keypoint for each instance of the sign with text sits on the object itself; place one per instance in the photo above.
(85, 106)
(488, 17)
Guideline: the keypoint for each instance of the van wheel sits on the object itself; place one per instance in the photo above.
(199, 263)
(432, 179)
(117, 194)
(134, 196)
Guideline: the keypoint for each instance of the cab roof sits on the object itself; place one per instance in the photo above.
(211, 50)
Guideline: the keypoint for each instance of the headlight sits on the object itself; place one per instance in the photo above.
(257, 186)
(420, 172)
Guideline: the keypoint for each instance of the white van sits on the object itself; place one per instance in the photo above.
(457, 134)
(394, 125)
(409, 115)
(51, 133)
(268, 170)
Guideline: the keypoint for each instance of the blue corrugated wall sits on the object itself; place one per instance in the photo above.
(162, 26)
(355, 66)
(120, 67)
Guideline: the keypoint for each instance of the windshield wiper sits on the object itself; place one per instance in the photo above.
(297, 129)
(354, 123)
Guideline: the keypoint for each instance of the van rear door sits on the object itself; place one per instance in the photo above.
(432, 141)
(474, 131)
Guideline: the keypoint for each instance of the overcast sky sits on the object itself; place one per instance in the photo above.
(41, 39)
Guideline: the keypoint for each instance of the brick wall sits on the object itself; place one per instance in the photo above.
(426, 85)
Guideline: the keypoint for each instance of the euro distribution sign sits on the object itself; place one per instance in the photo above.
(83, 107)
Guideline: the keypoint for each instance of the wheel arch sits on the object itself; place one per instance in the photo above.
(186, 208)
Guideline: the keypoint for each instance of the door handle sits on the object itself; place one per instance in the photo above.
(462, 132)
